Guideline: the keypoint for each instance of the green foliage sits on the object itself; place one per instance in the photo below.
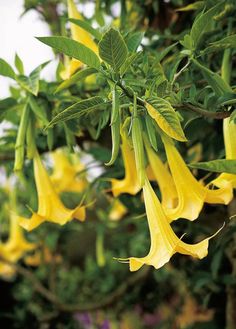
(168, 57)
(112, 49)
(78, 76)
(78, 109)
(74, 49)
(6, 70)
(227, 166)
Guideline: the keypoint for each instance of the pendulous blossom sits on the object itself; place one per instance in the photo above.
(14, 248)
(130, 183)
(118, 210)
(164, 242)
(158, 172)
(64, 177)
(191, 193)
(50, 207)
(229, 129)
(80, 35)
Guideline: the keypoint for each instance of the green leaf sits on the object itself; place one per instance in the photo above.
(78, 109)
(73, 49)
(87, 27)
(225, 43)
(31, 83)
(38, 110)
(6, 70)
(219, 86)
(133, 40)
(5, 105)
(129, 61)
(151, 131)
(19, 64)
(203, 23)
(112, 49)
(78, 76)
(166, 117)
(163, 53)
(220, 166)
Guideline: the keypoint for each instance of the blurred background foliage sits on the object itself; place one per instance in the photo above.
(72, 279)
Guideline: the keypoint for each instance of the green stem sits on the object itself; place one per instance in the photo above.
(30, 138)
(20, 140)
(137, 140)
(100, 255)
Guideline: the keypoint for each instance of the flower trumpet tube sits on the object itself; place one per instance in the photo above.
(50, 207)
(159, 172)
(130, 183)
(191, 193)
(229, 129)
(80, 35)
(64, 177)
(14, 248)
(164, 242)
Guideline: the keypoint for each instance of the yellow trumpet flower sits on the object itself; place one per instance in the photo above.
(229, 128)
(80, 35)
(130, 183)
(118, 210)
(164, 242)
(50, 207)
(64, 177)
(191, 193)
(159, 172)
(14, 248)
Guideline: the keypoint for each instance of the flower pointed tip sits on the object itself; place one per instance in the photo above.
(80, 213)
(135, 264)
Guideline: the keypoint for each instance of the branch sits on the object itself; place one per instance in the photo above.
(71, 308)
(203, 112)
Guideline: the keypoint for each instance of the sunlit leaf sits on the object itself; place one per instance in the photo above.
(73, 49)
(166, 117)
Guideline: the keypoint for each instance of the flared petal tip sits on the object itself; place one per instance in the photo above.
(135, 264)
(30, 224)
(80, 213)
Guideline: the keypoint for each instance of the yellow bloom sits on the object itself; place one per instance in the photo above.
(157, 171)
(229, 129)
(191, 193)
(64, 177)
(118, 210)
(80, 35)
(130, 183)
(14, 248)
(164, 242)
(50, 207)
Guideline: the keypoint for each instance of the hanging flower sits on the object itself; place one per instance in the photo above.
(130, 183)
(64, 177)
(50, 207)
(229, 128)
(191, 193)
(80, 35)
(14, 248)
(158, 172)
(164, 242)
(118, 210)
